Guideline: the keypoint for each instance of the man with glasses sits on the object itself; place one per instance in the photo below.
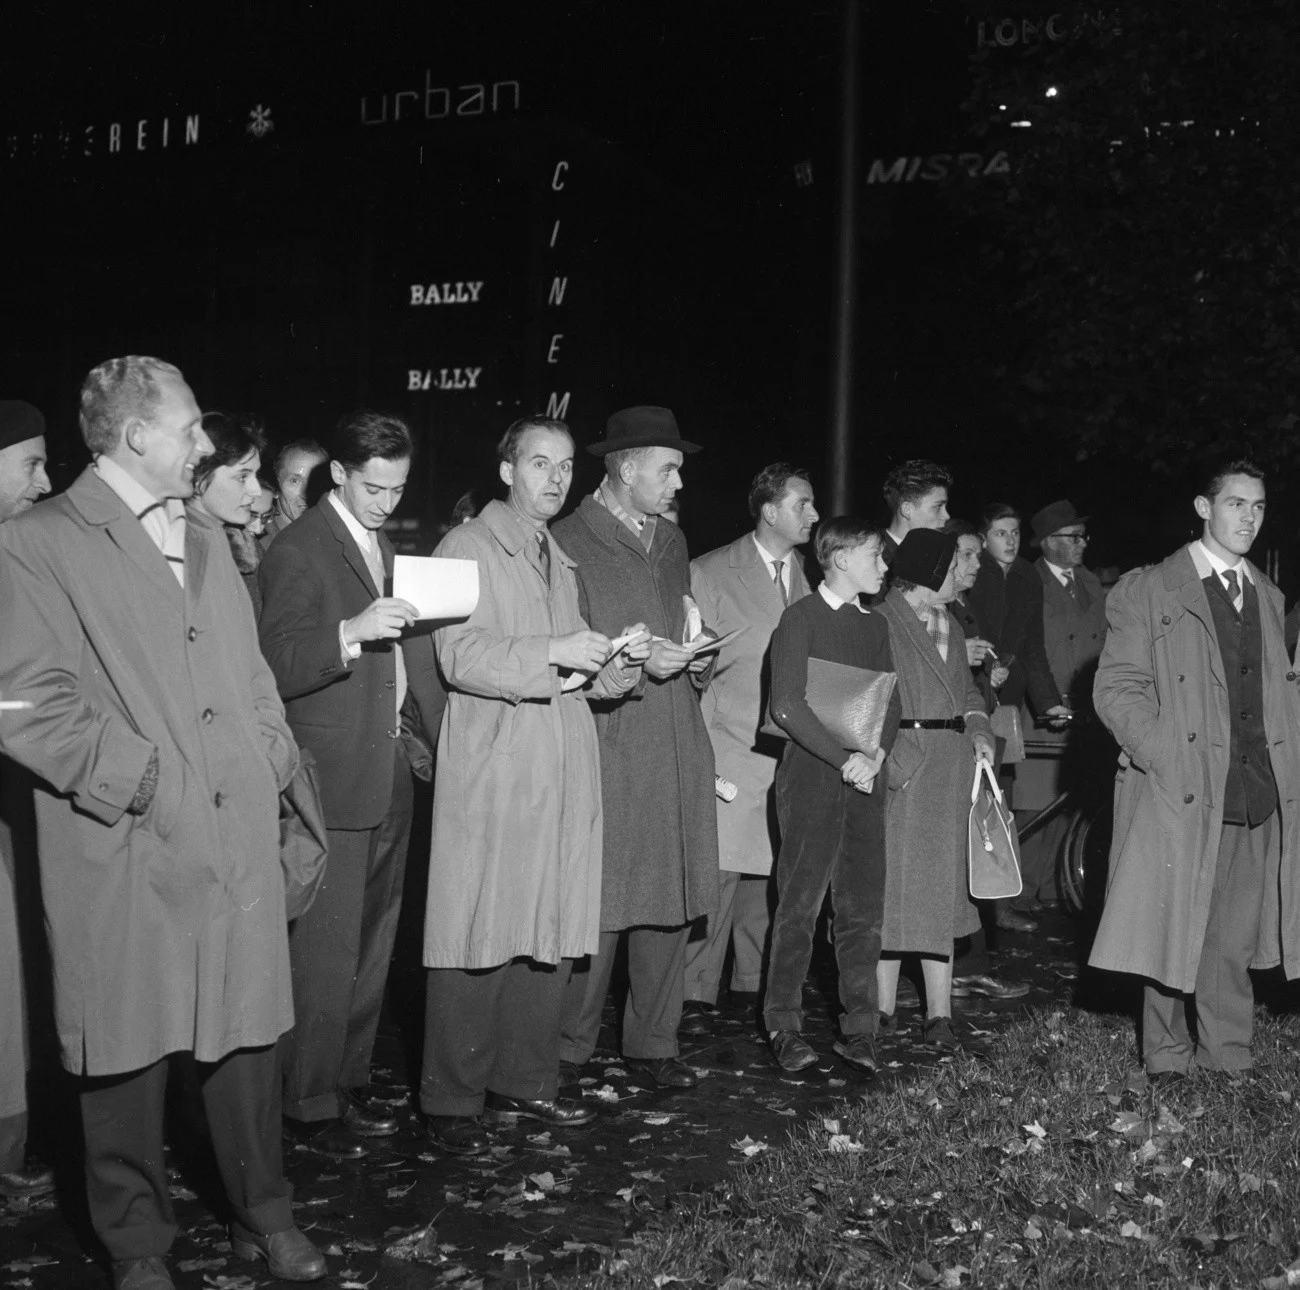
(1074, 631)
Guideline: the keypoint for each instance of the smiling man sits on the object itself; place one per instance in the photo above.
(746, 584)
(152, 721)
(351, 686)
(1195, 684)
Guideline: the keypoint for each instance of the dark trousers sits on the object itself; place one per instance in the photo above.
(831, 836)
(656, 966)
(1224, 999)
(339, 952)
(126, 1181)
(13, 1142)
(496, 1029)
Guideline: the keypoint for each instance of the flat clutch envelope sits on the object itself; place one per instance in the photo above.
(850, 702)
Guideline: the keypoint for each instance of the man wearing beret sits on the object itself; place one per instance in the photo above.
(151, 720)
(22, 481)
(1074, 630)
(656, 760)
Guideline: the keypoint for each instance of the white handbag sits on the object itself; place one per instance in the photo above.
(992, 845)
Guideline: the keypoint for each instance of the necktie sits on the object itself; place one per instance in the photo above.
(777, 566)
(1234, 589)
(544, 556)
(165, 524)
(375, 563)
(1071, 586)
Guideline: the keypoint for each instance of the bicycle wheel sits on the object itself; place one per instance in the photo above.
(1084, 858)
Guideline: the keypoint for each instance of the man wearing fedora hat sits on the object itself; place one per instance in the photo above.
(22, 481)
(1074, 631)
(656, 759)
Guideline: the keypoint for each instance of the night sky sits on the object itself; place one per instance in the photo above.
(276, 266)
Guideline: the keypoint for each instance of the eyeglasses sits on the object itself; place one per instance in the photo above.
(1071, 537)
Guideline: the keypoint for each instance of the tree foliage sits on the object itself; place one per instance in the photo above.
(1151, 227)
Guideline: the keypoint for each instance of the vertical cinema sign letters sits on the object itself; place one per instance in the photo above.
(557, 405)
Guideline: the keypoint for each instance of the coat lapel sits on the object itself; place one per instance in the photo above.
(198, 539)
(925, 647)
(352, 556)
(1183, 581)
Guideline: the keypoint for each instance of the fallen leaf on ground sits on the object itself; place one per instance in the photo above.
(749, 1146)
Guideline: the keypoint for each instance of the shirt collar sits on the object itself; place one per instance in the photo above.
(833, 600)
(360, 534)
(604, 496)
(134, 495)
(1206, 562)
(768, 556)
(1062, 575)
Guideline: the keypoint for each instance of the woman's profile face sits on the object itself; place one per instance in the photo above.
(1003, 539)
(231, 491)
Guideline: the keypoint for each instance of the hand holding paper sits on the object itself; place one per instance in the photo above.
(634, 644)
(437, 588)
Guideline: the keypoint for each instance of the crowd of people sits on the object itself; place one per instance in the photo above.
(623, 752)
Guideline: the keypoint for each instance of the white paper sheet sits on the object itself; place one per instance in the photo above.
(437, 588)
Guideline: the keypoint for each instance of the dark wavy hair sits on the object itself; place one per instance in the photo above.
(233, 438)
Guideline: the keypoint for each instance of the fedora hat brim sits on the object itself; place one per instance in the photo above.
(603, 446)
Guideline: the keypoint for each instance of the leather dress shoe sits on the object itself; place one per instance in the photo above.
(560, 1112)
(141, 1274)
(326, 1138)
(1009, 921)
(697, 1017)
(665, 1072)
(289, 1255)
(32, 1180)
(991, 987)
(860, 1050)
(366, 1119)
(457, 1135)
(791, 1050)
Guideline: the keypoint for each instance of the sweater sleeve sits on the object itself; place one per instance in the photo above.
(789, 700)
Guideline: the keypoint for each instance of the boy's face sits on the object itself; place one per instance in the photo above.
(864, 566)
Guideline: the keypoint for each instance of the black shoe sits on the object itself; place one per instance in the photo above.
(888, 1024)
(697, 1017)
(365, 1119)
(991, 987)
(325, 1138)
(860, 1050)
(141, 1274)
(938, 1033)
(289, 1255)
(1009, 921)
(560, 1112)
(791, 1050)
(458, 1135)
(664, 1072)
(32, 1180)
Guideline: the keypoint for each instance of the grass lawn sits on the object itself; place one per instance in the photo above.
(1049, 1163)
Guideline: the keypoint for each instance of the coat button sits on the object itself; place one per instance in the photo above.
(1191, 739)
(1166, 620)
(1189, 798)
(192, 634)
(208, 714)
(102, 788)
(220, 797)
(390, 685)
(1290, 676)
(1181, 677)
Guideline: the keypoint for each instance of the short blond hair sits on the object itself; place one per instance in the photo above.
(118, 391)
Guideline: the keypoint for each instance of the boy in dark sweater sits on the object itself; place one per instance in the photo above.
(832, 822)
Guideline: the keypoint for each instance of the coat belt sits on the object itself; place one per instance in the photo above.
(933, 723)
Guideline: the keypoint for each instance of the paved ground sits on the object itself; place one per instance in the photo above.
(542, 1205)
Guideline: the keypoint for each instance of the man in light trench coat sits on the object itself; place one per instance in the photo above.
(747, 585)
(514, 874)
(161, 745)
(1195, 684)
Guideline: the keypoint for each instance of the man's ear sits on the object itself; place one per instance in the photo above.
(338, 473)
(768, 513)
(507, 472)
(134, 434)
(1203, 507)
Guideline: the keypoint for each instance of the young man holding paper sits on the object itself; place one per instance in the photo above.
(828, 802)
(333, 640)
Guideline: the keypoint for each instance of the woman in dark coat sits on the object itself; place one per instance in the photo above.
(226, 486)
(1007, 600)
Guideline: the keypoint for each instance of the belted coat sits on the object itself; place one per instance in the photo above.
(1160, 689)
(733, 587)
(656, 761)
(515, 863)
(167, 929)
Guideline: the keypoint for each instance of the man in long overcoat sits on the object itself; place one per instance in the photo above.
(656, 761)
(1196, 686)
(746, 585)
(514, 872)
(161, 745)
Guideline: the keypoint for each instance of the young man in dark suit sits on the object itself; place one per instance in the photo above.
(332, 638)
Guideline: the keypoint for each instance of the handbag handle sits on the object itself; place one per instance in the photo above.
(984, 768)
